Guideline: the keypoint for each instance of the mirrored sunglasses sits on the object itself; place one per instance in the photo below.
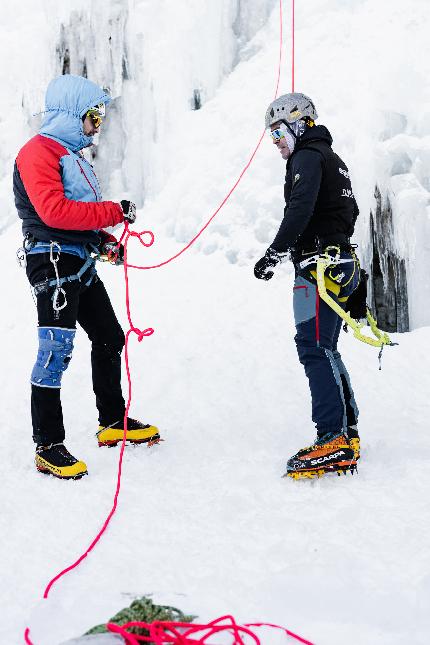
(296, 129)
(279, 133)
(97, 114)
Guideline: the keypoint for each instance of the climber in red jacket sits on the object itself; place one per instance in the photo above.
(58, 198)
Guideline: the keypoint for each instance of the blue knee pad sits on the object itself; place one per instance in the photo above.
(53, 356)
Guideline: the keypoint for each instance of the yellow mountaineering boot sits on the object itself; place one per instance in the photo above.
(137, 432)
(56, 460)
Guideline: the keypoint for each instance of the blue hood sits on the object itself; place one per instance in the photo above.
(67, 99)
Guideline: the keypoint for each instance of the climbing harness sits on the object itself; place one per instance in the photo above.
(331, 257)
(57, 282)
(59, 299)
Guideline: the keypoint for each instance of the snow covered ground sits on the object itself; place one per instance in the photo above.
(205, 521)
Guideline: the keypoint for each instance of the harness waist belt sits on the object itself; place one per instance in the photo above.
(40, 287)
(81, 250)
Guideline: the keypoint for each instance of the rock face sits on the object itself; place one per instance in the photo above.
(388, 284)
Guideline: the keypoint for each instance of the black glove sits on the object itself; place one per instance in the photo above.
(113, 252)
(271, 259)
(129, 210)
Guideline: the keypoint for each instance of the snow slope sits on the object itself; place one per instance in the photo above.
(205, 522)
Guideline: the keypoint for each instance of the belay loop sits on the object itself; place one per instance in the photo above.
(381, 338)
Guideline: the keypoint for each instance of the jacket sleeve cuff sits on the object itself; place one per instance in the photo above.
(119, 215)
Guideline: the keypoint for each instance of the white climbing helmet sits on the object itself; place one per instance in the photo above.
(290, 108)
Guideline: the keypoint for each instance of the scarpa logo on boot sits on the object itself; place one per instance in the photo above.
(321, 460)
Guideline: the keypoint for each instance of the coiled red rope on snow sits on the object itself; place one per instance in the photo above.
(160, 632)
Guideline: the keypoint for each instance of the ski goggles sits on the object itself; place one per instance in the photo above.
(280, 132)
(97, 114)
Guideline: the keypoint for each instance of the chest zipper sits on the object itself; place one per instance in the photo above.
(89, 183)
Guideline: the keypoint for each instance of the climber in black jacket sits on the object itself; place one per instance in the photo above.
(320, 212)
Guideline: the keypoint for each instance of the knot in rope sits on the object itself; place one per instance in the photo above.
(128, 233)
(139, 236)
(141, 334)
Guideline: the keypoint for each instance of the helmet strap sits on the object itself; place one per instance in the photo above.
(290, 129)
(295, 135)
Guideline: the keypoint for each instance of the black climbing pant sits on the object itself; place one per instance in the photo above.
(90, 306)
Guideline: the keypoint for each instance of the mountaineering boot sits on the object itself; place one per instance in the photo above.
(137, 432)
(56, 460)
(330, 453)
(354, 441)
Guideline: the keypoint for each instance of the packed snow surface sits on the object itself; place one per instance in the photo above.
(205, 521)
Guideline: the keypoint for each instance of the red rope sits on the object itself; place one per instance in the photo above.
(140, 335)
(236, 183)
(160, 632)
(147, 332)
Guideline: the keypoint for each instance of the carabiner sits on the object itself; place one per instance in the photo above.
(59, 291)
(53, 259)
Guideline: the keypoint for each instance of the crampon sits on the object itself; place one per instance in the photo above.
(320, 472)
(137, 432)
(331, 453)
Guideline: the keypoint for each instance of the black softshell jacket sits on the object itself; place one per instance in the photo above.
(319, 202)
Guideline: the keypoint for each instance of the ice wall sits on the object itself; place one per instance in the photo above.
(399, 243)
(367, 68)
(191, 82)
(25, 66)
(159, 60)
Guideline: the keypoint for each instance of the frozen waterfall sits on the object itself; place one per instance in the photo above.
(191, 82)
